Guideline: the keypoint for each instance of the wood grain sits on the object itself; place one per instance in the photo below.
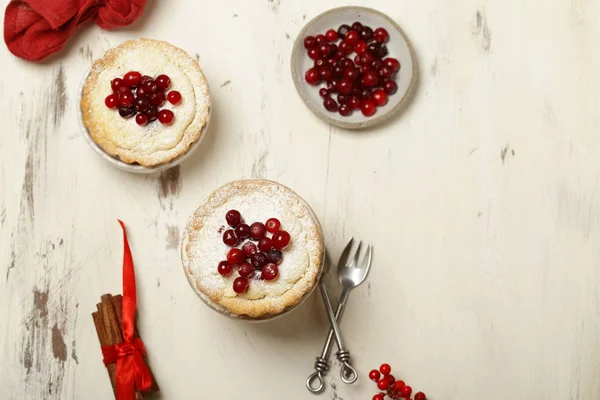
(482, 201)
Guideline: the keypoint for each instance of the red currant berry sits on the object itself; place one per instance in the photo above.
(390, 86)
(224, 268)
(111, 101)
(385, 369)
(166, 117)
(242, 231)
(380, 97)
(331, 35)
(269, 272)
(312, 76)
(265, 244)
(163, 82)
(381, 35)
(132, 78)
(330, 104)
(273, 225)
(390, 379)
(235, 256)
(257, 230)
(352, 37)
(246, 269)
(281, 239)
(379, 396)
(240, 285)
(360, 47)
(368, 108)
(320, 39)
(420, 396)
(314, 53)
(398, 385)
(374, 375)
(274, 256)
(406, 392)
(141, 119)
(249, 249)
(229, 238)
(310, 42)
(383, 384)
(345, 110)
(392, 63)
(117, 83)
(258, 260)
(174, 97)
(233, 218)
(126, 99)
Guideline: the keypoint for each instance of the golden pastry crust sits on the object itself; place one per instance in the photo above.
(305, 263)
(128, 142)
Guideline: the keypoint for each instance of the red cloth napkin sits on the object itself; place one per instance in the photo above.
(34, 29)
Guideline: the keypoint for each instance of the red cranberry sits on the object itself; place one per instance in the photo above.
(272, 225)
(357, 26)
(132, 78)
(325, 49)
(312, 76)
(258, 260)
(163, 82)
(383, 384)
(274, 256)
(141, 91)
(246, 269)
(383, 51)
(323, 92)
(242, 231)
(269, 272)
(320, 62)
(224, 268)
(126, 112)
(351, 37)
(381, 35)
(124, 89)
(366, 34)
(343, 98)
(370, 79)
(344, 86)
(380, 97)
(265, 244)
(331, 35)
(363, 69)
(392, 63)
(249, 248)
(257, 230)
(360, 47)
(337, 54)
(330, 104)
(374, 375)
(166, 117)
(235, 256)
(240, 285)
(142, 104)
(376, 64)
(357, 59)
(111, 101)
(354, 102)
(420, 396)
(346, 63)
(385, 72)
(332, 85)
(233, 218)
(342, 30)
(116, 83)
(390, 86)
(374, 48)
(310, 42)
(174, 97)
(345, 47)
(351, 74)
(320, 39)
(151, 86)
(338, 71)
(325, 74)
(379, 396)
(345, 110)
(366, 58)
(146, 78)
(126, 99)
(281, 239)
(331, 62)
(157, 99)
(390, 378)
(152, 114)
(229, 238)
(385, 369)
(368, 108)
(365, 95)
(398, 385)
(406, 391)
(141, 119)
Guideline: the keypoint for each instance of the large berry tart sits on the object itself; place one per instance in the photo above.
(254, 249)
(145, 102)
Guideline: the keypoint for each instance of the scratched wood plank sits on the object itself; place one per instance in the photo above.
(482, 201)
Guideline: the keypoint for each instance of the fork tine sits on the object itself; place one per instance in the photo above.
(366, 262)
(354, 262)
(345, 254)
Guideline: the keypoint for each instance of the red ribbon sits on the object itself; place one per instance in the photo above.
(132, 372)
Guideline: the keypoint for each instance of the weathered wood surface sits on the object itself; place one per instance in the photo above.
(482, 201)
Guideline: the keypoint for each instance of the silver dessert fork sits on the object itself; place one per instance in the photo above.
(350, 274)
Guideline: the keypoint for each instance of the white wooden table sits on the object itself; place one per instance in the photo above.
(482, 201)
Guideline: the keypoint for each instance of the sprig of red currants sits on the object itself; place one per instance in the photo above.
(390, 387)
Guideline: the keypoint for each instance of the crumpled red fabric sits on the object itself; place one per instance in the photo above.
(35, 29)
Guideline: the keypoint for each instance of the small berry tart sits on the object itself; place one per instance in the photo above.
(145, 102)
(253, 250)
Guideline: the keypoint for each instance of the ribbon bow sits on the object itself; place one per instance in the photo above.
(132, 372)
(34, 29)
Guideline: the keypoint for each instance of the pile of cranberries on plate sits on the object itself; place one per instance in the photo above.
(390, 388)
(143, 96)
(256, 250)
(352, 67)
